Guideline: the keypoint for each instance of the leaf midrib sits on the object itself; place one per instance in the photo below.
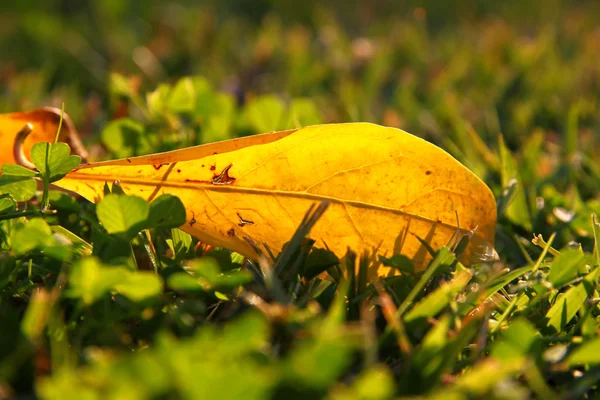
(235, 188)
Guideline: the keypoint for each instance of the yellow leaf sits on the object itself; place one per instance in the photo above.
(386, 189)
(45, 124)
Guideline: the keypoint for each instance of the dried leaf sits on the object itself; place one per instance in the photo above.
(387, 189)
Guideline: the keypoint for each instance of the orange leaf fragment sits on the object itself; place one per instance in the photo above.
(45, 123)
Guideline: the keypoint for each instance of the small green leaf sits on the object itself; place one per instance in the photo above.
(428, 360)
(318, 261)
(319, 361)
(157, 99)
(208, 103)
(596, 230)
(565, 267)
(518, 211)
(209, 272)
(375, 383)
(265, 113)
(122, 214)
(90, 280)
(119, 85)
(60, 162)
(37, 313)
(35, 234)
(505, 279)
(63, 201)
(7, 203)
(442, 260)
(206, 276)
(217, 112)
(21, 188)
(480, 380)
(206, 267)
(167, 211)
(140, 285)
(302, 112)
(38, 155)
(437, 300)
(237, 258)
(182, 98)
(588, 353)
(399, 262)
(126, 137)
(115, 188)
(519, 340)
(185, 282)
(58, 171)
(569, 302)
(81, 247)
(17, 170)
(180, 244)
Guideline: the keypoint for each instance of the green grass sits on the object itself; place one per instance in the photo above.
(100, 303)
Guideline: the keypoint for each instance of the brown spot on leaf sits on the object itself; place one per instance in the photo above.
(428, 173)
(212, 167)
(244, 221)
(128, 160)
(158, 166)
(178, 171)
(192, 221)
(223, 178)
(231, 232)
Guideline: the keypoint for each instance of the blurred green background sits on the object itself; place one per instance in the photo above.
(147, 76)
(510, 66)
